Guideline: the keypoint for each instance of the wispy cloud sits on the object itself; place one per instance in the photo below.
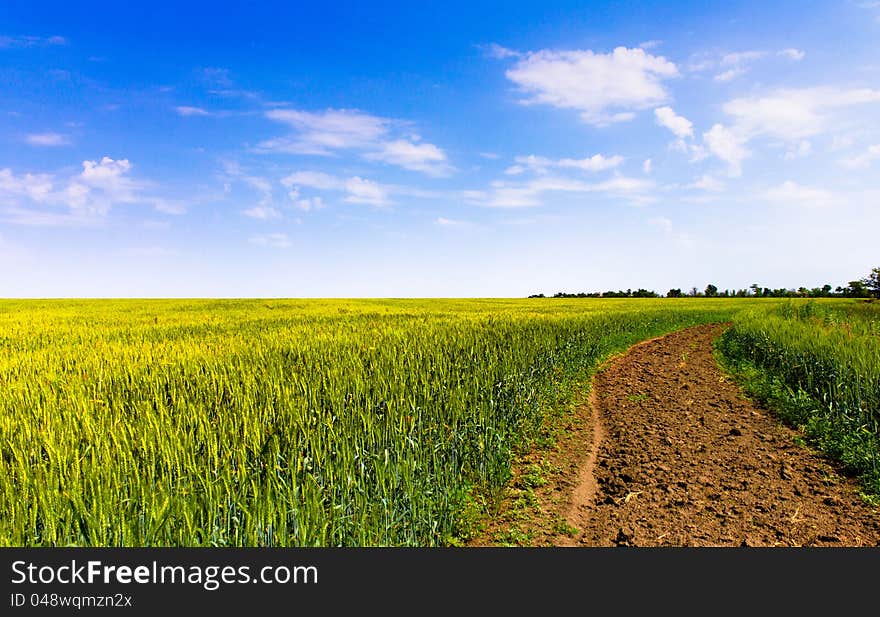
(543, 165)
(332, 131)
(263, 213)
(426, 158)
(494, 50)
(604, 88)
(452, 223)
(322, 133)
(82, 199)
(728, 146)
(185, 110)
(794, 194)
(530, 194)
(707, 182)
(792, 54)
(273, 240)
(737, 63)
(49, 139)
(863, 160)
(788, 115)
(355, 190)
(262, 186)
(731, 65)
(7, 42)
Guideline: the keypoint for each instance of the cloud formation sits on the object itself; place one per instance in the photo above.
(543, 165)
(679, 125)
(530, 194)
(787, 115)
(355, 190)
(7, 42)
(332, 131)
(47, 140)
(82, 199)
(604, 88)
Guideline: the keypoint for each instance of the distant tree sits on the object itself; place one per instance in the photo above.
(711, 291)
(537, 296)
(872, 282)
(855, 289)
(694, 292)
(826, 290)
(756, 289)
(674, 293)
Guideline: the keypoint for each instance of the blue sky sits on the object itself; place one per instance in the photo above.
(454, 149)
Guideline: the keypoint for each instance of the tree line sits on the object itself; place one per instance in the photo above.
(861, 288)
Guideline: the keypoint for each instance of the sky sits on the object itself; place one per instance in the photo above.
(455, 149)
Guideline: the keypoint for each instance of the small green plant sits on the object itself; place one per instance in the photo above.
(638, 398)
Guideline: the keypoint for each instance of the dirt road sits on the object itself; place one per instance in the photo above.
(679, 457)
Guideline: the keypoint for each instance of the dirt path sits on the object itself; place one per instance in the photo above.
(680, 458)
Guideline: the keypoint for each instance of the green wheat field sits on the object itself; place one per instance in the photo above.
(352, 422)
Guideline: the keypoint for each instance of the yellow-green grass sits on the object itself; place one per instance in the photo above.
(285, 422)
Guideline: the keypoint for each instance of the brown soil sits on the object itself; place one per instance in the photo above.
(669, 453)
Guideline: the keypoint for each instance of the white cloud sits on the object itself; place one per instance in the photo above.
(792, 54)
(707, 183)
(531, 193)
(111, 177)
(862, 160)
(82, 199)
(542, 165)
(604, 88)
(679, 125)
(31, 41)
(696, 151)
(185, 110)
(313, 179)
(791, 193)
(737, 64)
(727, 146)
(730, 74)
(789, 115)
(307, 204)
(362, 191)
(734, 64)
(265, 208)
(36, 187)
(452, 223)
(794, 114)
(331, 131)
(741, 57)
(647, 166)
(492, 156)
(324, 132)
(500, 53)
(46, 139)
(263, 213)
(426, 158)
(650, 44)
(356, 190)
(274, 240)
